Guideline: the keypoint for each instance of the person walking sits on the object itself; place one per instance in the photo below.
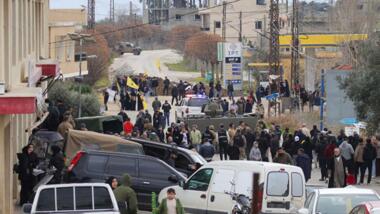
(207, 150)
(175, 95)
(255, 154)
(223, 142)
(240, 142)
(128, 127)
(322, 159)
(27, 162)
(106, 96)
(337, 171)
(195, 137)
(157, 119)
(126, 196)
(358, 158)
(156, 104)
(230, 90)
(166, 86)
(57, 160)
(166, 107)
(170, 204)
(303, 161)
(347, 153)
(369, 154)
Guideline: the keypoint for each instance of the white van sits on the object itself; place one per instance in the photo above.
(73, 198)
(282, 187)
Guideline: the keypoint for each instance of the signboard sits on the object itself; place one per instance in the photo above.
(220, 51)
(232, 65)
(350, 130)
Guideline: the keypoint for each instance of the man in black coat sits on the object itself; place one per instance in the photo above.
(27, 162)
(57, 160)
(337, 170)
(175, 94)
(166, 86)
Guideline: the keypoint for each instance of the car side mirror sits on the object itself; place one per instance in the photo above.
(173, 178)
(182, 184)
(27, 208)
(303, 211)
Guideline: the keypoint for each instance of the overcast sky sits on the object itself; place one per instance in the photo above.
(102, 6)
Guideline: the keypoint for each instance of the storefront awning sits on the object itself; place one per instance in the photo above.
(20, 100)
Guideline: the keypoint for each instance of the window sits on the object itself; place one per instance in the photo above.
(278, 184)
(308, 200)
(200, 181)
(260, 2)
(178, 17)
(181, 162)
(155, 170)
(197, 17)
(156, 152)
(198, 102)
(217, 24)
(311, 202)
(258, 25)
(297, 185)
(83, 198)
(120, 165)
(65, 198)
(96, 163)
(222, 181)
(46, 200)
(102, 199)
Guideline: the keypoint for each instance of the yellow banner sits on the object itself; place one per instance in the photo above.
(132, 84)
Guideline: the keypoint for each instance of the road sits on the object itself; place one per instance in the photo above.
(151, 62)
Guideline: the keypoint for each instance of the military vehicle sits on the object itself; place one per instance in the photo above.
(127, 47)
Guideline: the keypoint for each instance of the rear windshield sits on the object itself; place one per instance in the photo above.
(341, 204)
(197, 102)
(278, 184)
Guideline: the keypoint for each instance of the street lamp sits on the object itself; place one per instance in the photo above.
(81, 38)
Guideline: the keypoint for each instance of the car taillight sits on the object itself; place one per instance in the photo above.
(260, 199)
(75, 161)
(187, 110)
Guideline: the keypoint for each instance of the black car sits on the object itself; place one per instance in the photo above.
(185, 158)
(148, 174)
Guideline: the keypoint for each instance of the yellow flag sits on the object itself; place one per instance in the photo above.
(158, 64)
(131, 84)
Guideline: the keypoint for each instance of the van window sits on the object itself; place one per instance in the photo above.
(181, 162)
(83, 198)
(65, 198)
(121, 165)
(278, 184)
(152, 169)
(201, 180)
(46, 200)
(96, 163)
(297, 187)
(102, 199)
(222, 181)
(156, 152)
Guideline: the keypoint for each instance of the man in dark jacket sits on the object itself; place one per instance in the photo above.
(57, 160)
(207, 150)
(166, 86)
(223, 142)
(126, 196)
(181, 90)
(303, 161)
(369, 154)
(175, 95)
(230, 90)
(166, 107)
(337, 170)
(156, 105)
(27, 162)
(157, 120)
(218, 88)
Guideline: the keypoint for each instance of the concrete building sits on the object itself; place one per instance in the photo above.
(61, 48)
(253, 16)
(23, 42)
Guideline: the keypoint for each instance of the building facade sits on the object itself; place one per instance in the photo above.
(62, 22)
(23, 42)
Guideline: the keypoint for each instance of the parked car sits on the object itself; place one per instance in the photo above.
(311, 187)
(185, 160)
(127, 47)
(337, 200)
(148, 174)
(73, 198)
(191, 106)
(282, 187)
(371, 207)
(103, 124)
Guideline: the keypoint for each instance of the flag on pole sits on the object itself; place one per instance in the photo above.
(132, 84)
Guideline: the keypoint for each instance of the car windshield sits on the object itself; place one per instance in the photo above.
(341, 204)
(197, 102)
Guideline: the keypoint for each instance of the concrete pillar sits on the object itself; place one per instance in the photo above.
(6, 174)
(310, 69)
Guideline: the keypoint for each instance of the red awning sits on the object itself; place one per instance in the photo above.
(17, 105)
(49, 68)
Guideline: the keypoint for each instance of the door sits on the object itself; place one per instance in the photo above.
(153, 176)
(298, 190)
(194, 195)
(219, 201)
(277, 194)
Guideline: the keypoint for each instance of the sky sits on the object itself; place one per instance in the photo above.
(102, 6)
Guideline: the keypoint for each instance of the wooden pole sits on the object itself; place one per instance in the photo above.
(255, 193)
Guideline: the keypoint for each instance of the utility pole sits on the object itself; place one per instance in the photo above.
(274, 46)
(240, 26)
(223, 35)
(91, 14)
(112, 10)
(295, 47)
(130, 8)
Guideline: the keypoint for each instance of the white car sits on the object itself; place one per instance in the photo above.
(191, 106)
(281, 187)
(336, 200)
(73, 198)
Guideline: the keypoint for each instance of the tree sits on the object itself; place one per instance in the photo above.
(362, 86)
(203, 46)
(179, 34)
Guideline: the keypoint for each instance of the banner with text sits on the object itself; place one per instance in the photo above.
(232, 65)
